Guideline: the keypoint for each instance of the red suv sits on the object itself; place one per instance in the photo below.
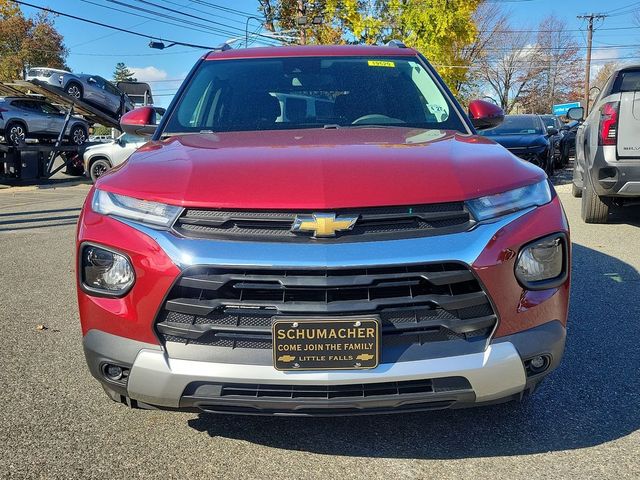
(320, 231)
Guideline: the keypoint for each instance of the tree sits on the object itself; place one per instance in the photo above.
(490, 19)
(604, 72)
(560, 75)
(123, 74)
(440, 29)
(26, 42)
(509, 66)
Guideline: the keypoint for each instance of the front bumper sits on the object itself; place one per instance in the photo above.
(120, 330)
(155, 380)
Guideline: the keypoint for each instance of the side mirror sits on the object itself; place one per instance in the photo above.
(551, 131)
(576, 113)
(91, 80)
(141, 121)
(485, 115)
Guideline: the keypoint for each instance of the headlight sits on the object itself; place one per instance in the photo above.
(105, 272)
(543, 264)
(492, 206)
(152, 213)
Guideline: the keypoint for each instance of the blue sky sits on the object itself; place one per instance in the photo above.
(95, 49)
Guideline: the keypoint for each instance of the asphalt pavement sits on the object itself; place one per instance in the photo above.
(56, 422)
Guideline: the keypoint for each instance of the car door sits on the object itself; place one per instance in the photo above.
(124, 146)
(112, 96)
(96, 88)
(36, 121)
(55, 119)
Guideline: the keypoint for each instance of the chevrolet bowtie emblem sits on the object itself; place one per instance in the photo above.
(323, 224)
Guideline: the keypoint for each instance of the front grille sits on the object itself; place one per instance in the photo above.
(235, 308)
(374, 223)
(327, 392)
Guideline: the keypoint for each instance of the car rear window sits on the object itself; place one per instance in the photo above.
(517, 125)
(629, 82)
(311, 92)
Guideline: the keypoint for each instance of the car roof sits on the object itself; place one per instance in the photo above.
(313, 51)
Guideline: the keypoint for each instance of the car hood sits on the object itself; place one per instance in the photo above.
(319, 169)
(520, 141)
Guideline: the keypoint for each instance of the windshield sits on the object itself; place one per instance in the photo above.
(311, 92)
(549, 121)
(517, 125)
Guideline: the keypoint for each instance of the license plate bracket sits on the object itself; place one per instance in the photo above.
(326, 344)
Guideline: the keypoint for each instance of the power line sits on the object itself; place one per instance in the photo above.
(172, 10)
(189, 7)
(224, 9)
(190, 27)
(100, 24)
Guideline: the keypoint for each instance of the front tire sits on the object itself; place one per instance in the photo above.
(594, 209)
(74, 89)
(98, 168)
(15, 133)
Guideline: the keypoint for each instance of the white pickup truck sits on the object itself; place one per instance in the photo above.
(607, 166)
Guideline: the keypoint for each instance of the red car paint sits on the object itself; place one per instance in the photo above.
(305, 169)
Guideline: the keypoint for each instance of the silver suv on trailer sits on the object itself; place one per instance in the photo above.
(607, 167)
(32, 117)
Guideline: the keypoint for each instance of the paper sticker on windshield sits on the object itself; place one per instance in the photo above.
(381, 63)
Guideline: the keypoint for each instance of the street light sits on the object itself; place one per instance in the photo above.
(159, 45)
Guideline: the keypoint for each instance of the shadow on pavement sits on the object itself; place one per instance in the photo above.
(594, 396)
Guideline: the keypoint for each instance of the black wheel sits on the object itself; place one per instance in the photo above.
(15, 133)
(98, 168)
(551, 163)
(78, 134)
(594, 209)
(74, 89)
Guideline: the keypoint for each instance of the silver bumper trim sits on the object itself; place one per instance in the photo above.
(630, 188)
(463, 247)
(495, 373)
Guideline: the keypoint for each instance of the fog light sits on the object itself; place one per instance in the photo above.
(542, 264)
(537, 364)
(106, 272)
(114, 372)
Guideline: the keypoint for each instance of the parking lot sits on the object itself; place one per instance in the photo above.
(55, 421)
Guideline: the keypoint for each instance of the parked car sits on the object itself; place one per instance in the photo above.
(527, 137)
(552, 122)
(607, 167)
(97, 91)
(377, 257)
(100, 158)
(31, 117)
(568, 141)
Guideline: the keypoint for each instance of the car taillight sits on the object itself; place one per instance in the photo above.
(608, 129)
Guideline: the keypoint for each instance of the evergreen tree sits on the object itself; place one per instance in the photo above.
(123, 74)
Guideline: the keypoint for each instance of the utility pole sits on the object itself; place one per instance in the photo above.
(587, 71)
(302, 22)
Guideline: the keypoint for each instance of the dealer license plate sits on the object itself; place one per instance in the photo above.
(326, 344)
